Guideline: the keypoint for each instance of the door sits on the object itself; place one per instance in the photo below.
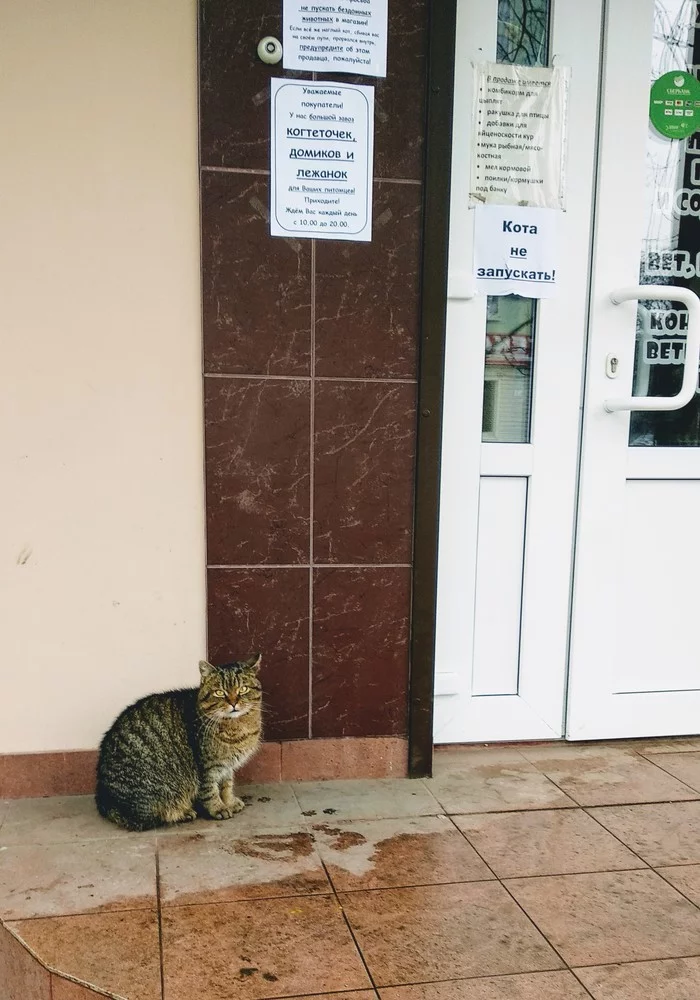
(567, 603)
(635, 668)
(511, 427)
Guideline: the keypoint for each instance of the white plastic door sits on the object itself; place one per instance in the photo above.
(513, 389)
(635, 666)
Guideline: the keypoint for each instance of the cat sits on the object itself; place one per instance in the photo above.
(170, 754)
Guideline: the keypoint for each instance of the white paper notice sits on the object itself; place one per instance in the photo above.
(322, 154)
(519, 141)
(515, 251)
(341, 37)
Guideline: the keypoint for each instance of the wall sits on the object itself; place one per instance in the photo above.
(311, 363)
(102, 526)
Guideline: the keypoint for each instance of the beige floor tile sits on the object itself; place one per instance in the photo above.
(388, 853)
(670, 744)
(355, 995)
(686, 878)
(268, 809)
(545, 842)
(492, 781)
(261, 948)
(665, 833)
(685, 766)
(600, 775)
(199, 869)
(384, 798)
(530, 986)
(57, 820)
(117, 952)
(47, 880)
(610, 917)
(444, 932)
(674, 979)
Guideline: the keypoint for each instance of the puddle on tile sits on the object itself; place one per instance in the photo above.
(200, 869)
(390, 853)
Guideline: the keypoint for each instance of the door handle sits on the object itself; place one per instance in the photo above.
(692, 348)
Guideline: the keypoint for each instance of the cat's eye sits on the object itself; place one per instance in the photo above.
(243, 690)
(219, 694)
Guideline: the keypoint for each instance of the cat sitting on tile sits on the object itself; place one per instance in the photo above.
(171, 754)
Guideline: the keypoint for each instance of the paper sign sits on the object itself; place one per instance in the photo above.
(343, 37)
(519, 141)
(322, 153)
(515, 251)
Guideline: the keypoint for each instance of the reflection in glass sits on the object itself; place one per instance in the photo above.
(671, 247)
(523, 39)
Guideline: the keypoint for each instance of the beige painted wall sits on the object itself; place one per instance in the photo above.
(102, 594)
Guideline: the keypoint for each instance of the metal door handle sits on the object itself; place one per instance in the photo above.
(692, 348)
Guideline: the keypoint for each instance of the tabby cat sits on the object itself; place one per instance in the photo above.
(171, 754)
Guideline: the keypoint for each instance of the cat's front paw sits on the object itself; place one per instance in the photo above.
(227, 811)
(230, 810)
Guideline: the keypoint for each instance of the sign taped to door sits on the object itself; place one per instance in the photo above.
(515, 251)
(519, 140)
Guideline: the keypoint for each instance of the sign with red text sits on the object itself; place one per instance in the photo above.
(321, 160)
(336, 36)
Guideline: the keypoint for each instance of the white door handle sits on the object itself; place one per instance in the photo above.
(692, 348)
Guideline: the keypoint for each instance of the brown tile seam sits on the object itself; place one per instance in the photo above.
(649, 866)
(312, 479)
(260, 172)
(571, 969)
(606, 805)
(310, 566)
(351, 932)
(527, 915)
(313, 378)
(690, 788)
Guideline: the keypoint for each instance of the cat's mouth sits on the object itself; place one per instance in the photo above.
(234, 713)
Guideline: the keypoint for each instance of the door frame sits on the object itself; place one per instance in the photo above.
(437, 170)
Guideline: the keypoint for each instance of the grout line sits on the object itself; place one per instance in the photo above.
(679, 891)
(309, 378)
(398, 180)
(534, 924)
(313, 566)
(160, 924)
(348, 925)
(670, 774)
(312, 482)
(264, 375)
(236, 170)
(370, 381)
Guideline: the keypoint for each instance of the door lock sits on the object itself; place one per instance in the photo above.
(612, 365)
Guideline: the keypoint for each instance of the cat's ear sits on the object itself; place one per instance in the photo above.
(253, 663)
(205, 669)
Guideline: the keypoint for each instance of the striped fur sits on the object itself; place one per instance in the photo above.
(170, 756)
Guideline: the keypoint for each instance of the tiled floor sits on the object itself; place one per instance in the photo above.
(555, 872)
